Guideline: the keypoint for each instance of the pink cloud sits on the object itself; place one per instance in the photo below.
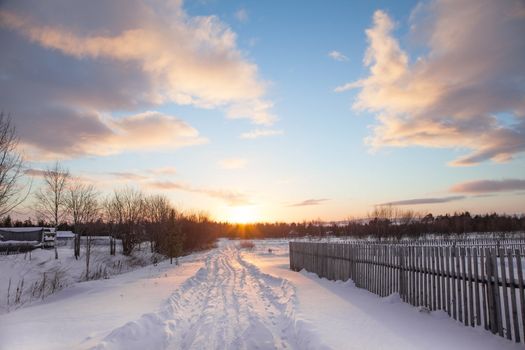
(143, 132)
(204, 68)
(231, 197)
(78, 62)
(310, 202)
(451, 96)
(489, 186)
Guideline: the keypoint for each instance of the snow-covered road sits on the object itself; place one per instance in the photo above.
(231, 299)
(227, 304)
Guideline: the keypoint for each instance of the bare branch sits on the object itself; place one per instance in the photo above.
(12, 189)
(51, 197)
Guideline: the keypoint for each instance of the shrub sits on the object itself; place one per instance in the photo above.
(247, 245)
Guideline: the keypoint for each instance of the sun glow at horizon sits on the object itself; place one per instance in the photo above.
(242, 214)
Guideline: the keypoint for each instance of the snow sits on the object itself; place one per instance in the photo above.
(37, 274)
(20, 243)
(80, 316)
(236, 299)
(346, 317)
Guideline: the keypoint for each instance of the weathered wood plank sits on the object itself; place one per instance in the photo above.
(519, 269)
(476, 286)
(448, 296)
(434, 273)
(484, 291)
(497, 299)
(465, 292)
(514, 308)
(504, 291)
(470, 288)
(454, 283)
(440, 260)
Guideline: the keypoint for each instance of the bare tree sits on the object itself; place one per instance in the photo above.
(156, 211)
(51, 197)
(381, 219)
(81, 202)
(12, 191)
(82, 206)
(174, 237)
(125, 210)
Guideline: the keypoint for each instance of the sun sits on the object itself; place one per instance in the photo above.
(242, 214)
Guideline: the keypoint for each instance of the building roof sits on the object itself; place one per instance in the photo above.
(65, 234)
(21, 234)
(21, 229)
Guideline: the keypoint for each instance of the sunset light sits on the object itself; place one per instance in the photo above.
(242, 215)
(197, 174)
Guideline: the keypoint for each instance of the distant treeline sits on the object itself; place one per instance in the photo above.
(407, 224)
(175, 233)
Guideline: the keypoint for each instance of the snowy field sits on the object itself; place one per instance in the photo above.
(33, 276)
(230, 298)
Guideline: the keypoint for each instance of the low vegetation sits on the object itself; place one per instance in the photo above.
(249, 245)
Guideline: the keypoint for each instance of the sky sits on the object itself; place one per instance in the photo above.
(275, 111)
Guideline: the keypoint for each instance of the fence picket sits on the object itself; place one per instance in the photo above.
(476, 284)
(484, 291)
(508, 327)
(519, 269)
(433, 249)
(454, 283)
(470, 287)
(514, 307)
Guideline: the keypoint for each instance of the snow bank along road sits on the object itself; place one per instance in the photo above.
(230, 299)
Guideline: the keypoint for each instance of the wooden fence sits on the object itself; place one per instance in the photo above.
(481, 285)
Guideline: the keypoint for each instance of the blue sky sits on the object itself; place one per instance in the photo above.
(318, 164)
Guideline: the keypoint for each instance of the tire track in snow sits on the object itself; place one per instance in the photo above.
(229, 303)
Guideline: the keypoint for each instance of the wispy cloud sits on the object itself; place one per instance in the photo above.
(168, 170)
(451, 96)
(338, 56)
(255, 134)
(40, 173)
(233, 163)
(34, 172)
(418, 201)
(128, 176)
(231, 197)
(488, 186)
(309, 202)
(241, 15)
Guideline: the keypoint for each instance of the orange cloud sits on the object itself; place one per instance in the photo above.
(143, 132)
(191, 60)
(81, 61)
(452, 95)
(231, 197)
